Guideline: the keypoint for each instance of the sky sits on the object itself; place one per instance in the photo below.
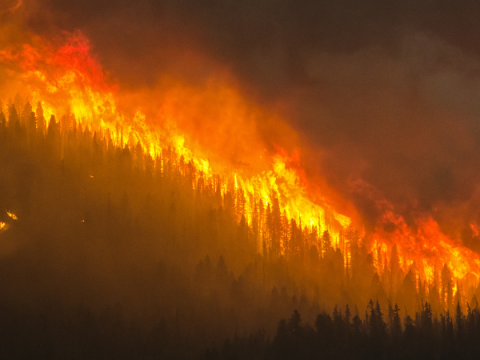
(384, 97)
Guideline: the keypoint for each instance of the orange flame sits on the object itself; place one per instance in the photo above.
(69, 80)
(12, 215)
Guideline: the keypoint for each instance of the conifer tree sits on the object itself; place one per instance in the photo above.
(40, 119)
(326, 243)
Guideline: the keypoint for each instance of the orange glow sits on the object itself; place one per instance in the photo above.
(69, 80)
(12, 215)
(474, 228)
(428, 247)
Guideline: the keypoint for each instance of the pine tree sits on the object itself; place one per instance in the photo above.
(13, 117)
(3, 123)
(40, 119)
(276, 226)
(447, 288)
(396, 324)
(326, 244)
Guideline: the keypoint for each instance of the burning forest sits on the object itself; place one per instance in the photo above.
(160, 202)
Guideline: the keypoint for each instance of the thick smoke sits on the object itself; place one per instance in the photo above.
(386, 93)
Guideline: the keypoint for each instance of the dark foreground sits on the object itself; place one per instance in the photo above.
(51, 332)
(427, 336)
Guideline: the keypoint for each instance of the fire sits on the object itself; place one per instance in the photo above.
(70, 84)
(428, 247)
(12, 215)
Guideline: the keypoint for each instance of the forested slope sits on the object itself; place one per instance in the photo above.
(106, 251)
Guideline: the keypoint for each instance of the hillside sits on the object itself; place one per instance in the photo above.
(104, 245)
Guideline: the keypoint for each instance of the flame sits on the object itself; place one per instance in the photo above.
(69, 82)
(429, 245)
(12, 215)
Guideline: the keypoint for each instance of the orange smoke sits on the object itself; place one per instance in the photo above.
(215, 130)
(10, 6)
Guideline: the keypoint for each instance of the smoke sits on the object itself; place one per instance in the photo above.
(375, 91)
(403, 122)
(9, 6)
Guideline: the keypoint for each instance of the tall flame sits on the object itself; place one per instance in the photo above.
(70, 83)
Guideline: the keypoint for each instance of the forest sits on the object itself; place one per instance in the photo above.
(378, 336)
(108, 252)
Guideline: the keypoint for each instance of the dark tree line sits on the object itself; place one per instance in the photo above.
(378, 336)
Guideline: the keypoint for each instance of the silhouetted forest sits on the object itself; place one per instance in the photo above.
(115, 254)
(379, 336)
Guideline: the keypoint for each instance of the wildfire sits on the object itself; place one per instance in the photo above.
(12, 215)
(428, 247)
(70, 84)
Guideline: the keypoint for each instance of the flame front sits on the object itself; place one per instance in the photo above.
(69, 84)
